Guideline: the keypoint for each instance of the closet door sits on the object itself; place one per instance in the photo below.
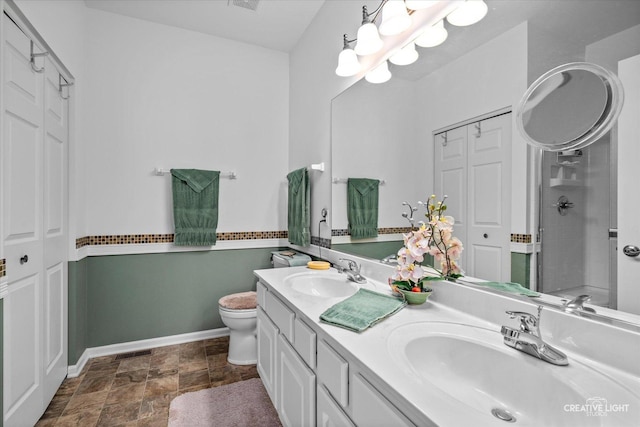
(473, 168)
(451, 179)
(22, 195)
(488, 245)
(56, 133)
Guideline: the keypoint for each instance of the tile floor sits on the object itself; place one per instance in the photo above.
(137, 391)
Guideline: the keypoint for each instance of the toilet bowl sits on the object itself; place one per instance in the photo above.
(238, 312)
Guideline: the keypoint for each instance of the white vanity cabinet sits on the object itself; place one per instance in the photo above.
(310, 379)
(289, 381)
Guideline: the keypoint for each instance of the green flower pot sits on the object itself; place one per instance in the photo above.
(416, 298)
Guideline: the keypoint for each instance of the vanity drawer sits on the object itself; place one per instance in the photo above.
(280, 314)
(261, 291)
(305, 342)
(333, 372)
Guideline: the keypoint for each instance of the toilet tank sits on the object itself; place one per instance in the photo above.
(288, 258)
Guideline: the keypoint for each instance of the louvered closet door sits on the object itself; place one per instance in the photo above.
(22, 194)
(55, 169)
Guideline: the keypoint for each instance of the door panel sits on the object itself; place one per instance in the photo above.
(628, 200)
(489, 183)
(22, 352)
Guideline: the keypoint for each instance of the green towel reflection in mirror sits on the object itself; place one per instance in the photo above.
(195, 206)
(510, 287)
(362, 207)
(362, 310)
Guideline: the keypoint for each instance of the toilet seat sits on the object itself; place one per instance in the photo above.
(242, 301)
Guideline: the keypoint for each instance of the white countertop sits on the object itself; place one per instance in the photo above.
(371, 348)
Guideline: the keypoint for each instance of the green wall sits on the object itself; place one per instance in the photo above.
(375, 250)
(520, 269)
(1, 362)
(78, 275)
(122, 298)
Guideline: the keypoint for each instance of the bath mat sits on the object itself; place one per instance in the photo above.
(240, 404)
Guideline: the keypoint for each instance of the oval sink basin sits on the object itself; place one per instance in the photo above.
(474, 367)
(323, 285)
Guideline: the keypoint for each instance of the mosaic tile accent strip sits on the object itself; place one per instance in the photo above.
(319, 241)
(132, 239)
(3, 267)
(391, 230)
(521, 238)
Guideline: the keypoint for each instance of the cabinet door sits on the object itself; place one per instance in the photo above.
(296, 388)
(267, 340)
(329, 413)
(369, 408)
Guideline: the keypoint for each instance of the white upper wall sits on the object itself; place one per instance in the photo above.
(149, 95)
(165, 97)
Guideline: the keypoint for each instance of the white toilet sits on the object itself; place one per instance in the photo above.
(238, 313)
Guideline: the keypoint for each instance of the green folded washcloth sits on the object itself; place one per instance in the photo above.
(363, 309)
(512, 288)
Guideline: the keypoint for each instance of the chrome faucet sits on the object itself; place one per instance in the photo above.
(352, 270)
(528, 340)
(390, 259)
(577, 304)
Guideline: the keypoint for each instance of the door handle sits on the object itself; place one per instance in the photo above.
(632, 251)
(24, 259)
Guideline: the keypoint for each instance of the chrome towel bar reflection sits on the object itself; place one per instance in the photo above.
(160, 172)
(344, 181)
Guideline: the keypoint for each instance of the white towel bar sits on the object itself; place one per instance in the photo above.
(160, 172)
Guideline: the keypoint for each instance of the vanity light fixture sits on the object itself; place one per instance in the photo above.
(420, 4)
(380, 74)
(470, 12)
(395, 18)
(368, 39)
(433, 36)
(348, 64)
(405, 56)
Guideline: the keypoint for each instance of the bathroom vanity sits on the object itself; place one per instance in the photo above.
(442, 363)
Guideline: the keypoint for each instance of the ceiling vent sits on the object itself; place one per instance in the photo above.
(247, 4)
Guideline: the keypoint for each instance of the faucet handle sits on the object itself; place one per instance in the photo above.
(353, 266)
(528, 322)
(578, 302)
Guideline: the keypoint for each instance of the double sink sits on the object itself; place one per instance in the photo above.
(483, 380)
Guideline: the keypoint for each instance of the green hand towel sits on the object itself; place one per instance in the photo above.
(512, 288)
(299, 218)
(363, 309)
(362, 207)
(195, 206)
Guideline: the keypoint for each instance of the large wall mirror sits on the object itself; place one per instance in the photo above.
(417, 132)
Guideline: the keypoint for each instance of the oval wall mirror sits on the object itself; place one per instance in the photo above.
(591, 95)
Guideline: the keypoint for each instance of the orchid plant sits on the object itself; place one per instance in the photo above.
(434, 237)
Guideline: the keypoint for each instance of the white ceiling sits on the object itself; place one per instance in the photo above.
(275, 24)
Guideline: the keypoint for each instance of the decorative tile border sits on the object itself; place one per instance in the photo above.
(3, 267)
(319, 241)
(134, 239)
(392, 230)
(521, 238)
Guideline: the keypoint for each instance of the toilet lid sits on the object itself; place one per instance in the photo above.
(239, 301)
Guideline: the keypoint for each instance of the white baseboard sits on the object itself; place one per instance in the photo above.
(126, 347)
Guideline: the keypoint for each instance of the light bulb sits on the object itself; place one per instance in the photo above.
(433, 36)
(369, 41)
(395, 18)
(348, 64)
(405, 56)
(380, 74)
(470, 12)
(419, 4)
